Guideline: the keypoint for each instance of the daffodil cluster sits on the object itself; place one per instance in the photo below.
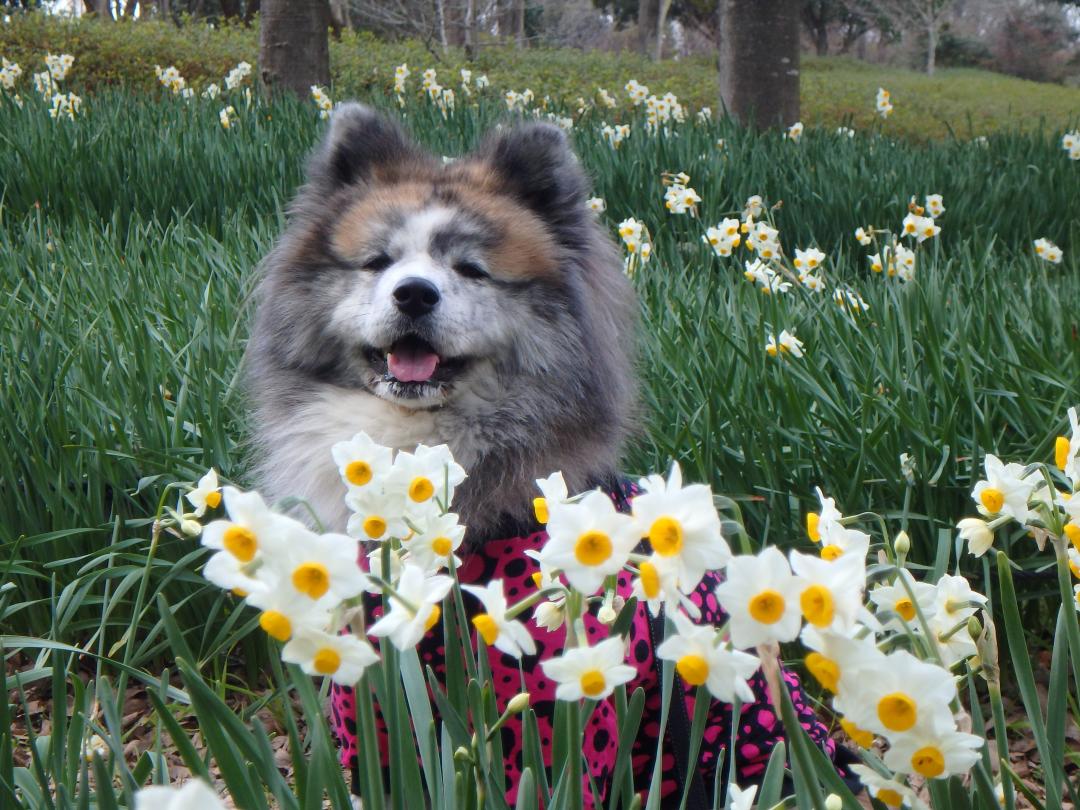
(635, 237)
(1048, 251)
(660, 112)
(171, 79)
(679, 198)
(784, 345)
(883, 103)
(1070, 142)
(1037, 497)
(518, 101)
(9, 74)
(238, 76)
(322, 101)
(615, 135)
(637, 92)
(59, 65)
(65, 105)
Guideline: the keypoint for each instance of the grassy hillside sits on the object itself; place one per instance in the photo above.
(835, 91)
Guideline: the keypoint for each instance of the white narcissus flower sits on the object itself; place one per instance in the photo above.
(978, 535)
(230, 574)
(682, 526)
(832, 594)
(414, 607)
(836, 657)
(555, 494)
(588, 541)
(741, 798)
(590, 672)
(935, 205)
(378, 513)
(1048, 251)
(904, 263)
(836, 539)
(285, 612)
(194, 795)
(1067, 453)
(883, 102)
(761, 598)
(862, 235)
(933, 754)
(427, 476)
(896, 693)
(809, 259)
(362, 462)
(896, 599)
(596, 204)
(206, 494)
(342, 658)
(754, 206)
(507, 635)
(252, 528)
(433, 547)
(789, 344)
(890, 792)
(1003, 491)
(702, 659)
(550, 615)
(795, 132)
(319, 565)
(1070, 142)
(954, 603)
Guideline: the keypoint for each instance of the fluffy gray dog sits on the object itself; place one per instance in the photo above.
(476, 304)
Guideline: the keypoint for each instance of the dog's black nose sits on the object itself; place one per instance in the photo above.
(416, 296)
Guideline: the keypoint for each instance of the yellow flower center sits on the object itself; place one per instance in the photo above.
(650, 580)
(767, 607)
(486, 627)
(1061, 452)
(243, 594)
(666, 536)
(928, 761)
(992, 499)
(592, 682)
(433, 617)
(442, 546)
(374, 527)
(861, 737)
(905, 608)
(311, 578)
(813, 519)
(889, 797)
(831, 552)
(592, 548)
(693, 669)
(537, 579)
(358, 473)
(540, 509)
(276, 625)
(213, 499)
(326, 661)
(1072, 531)
(771, 350)
(897, 711)
(421, 489)
(825, 670)
(240, 542)
(817, 605)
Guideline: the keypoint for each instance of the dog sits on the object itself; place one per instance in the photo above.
(476, 303)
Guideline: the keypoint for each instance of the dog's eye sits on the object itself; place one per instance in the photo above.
(470, 270)
(378, 263)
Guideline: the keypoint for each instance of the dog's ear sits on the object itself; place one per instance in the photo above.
(359, 143)
(536, 165)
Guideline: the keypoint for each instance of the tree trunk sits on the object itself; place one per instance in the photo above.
(251, 8)
(519, 24)
(103, 10)
(470, 30)
(230, 9)
(663, 7)
(759, 61)
(931, 47)
(821, 39)
(646, 20)
(440, 24)
(294, 49)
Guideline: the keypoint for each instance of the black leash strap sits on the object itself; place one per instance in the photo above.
(678, 730)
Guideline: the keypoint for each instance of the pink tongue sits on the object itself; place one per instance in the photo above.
(412, 366)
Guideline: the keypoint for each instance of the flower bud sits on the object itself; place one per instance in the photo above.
(833, 802)
(902, 544)
(192, 528)
(518, 703)
(977, 533)
(606, 614)
(549, 615)
(461, 754)
(974, 628)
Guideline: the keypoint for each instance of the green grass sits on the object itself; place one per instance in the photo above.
(127, 249)
(835, 91)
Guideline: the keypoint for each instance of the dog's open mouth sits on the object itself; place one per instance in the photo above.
(413, 362)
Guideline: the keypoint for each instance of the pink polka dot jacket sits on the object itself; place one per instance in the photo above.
(759, 724)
